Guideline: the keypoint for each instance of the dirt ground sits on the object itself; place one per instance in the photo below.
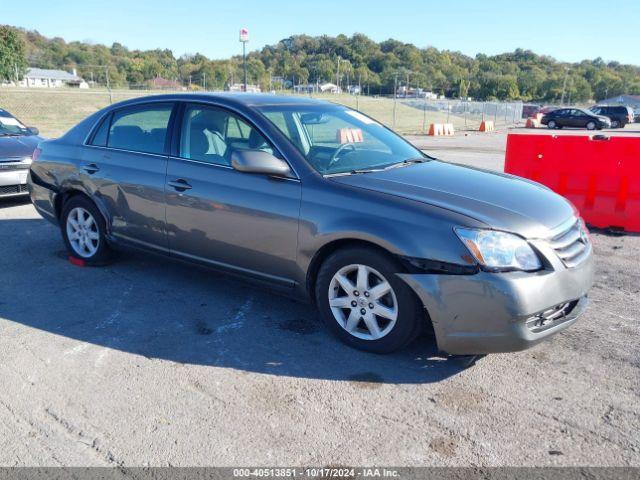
(148, 362)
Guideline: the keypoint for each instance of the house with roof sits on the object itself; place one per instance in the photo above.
(45, 78)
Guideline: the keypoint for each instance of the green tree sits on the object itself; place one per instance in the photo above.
(13, 62)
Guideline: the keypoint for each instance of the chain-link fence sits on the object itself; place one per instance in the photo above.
(54, 111)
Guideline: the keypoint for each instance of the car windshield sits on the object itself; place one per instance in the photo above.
(338, 140)
(9, 125)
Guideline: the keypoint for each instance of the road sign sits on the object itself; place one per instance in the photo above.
(244, 35)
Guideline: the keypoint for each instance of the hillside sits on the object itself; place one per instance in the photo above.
(519, 75)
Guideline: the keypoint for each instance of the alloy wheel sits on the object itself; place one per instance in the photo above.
(82, 232)
(363, 302)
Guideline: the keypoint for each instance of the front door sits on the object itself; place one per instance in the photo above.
(126, 164)
(243, 222)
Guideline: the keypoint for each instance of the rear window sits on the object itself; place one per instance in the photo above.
(140, 128)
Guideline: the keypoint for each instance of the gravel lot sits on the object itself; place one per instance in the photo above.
(148, 362)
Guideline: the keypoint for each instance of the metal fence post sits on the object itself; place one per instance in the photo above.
(464, 106)
(424, 115)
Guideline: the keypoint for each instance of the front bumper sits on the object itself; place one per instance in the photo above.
(13, 179)
(496, 312)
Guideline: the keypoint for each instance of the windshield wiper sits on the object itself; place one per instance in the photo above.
(10, 134)
(409, 161)
(356, 171)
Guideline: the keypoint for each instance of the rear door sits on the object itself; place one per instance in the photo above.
(126, 163)
(243, 222)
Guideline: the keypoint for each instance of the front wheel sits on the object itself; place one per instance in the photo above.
(552, 124)
(591, 126)
(364, 303)
(83, 231)
(615, 124)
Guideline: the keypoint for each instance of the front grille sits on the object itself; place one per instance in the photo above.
(13, 189)
(571, 245)
(550, 317)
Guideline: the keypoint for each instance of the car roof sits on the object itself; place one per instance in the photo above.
(233, 99)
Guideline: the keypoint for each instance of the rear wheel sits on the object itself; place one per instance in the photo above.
(83, 231)
(591, 125)
(615, 124)
(364, 303)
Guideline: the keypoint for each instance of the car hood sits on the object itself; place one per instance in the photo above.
(501, 201)
(11, 147)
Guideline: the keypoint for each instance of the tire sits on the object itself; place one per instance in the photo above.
(591, 126)
(347, 321)
(89, 244)
(615, 124)
(552, 124)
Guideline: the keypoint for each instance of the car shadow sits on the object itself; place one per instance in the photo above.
(8, 202)
(162, 309)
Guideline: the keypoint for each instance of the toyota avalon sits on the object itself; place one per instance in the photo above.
(326, 204)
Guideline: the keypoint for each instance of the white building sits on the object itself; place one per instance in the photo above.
(330, 87)
(43, 78)
(239, 87)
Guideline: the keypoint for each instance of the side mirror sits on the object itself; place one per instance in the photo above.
(34, 130)
(259, 161)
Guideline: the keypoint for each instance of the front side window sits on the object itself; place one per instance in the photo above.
(337, 140)
(211, 135)
(140, 128)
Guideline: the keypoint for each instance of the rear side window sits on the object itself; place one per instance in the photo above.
(140, 128)
(102, 133)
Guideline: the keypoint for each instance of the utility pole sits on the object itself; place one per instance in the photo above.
(204, 80)
(244, 38)
(564, 84)
(106, 72)
(338, 75)
(395, 99)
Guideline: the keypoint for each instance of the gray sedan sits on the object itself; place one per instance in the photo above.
(326, 204)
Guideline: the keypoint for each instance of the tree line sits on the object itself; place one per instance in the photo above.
(357, 60)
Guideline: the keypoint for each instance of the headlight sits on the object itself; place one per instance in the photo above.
(499, 250)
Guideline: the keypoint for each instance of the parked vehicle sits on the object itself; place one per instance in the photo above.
(619, 115)
(529, 110)
(326, 204)
(547, 109)
(17, 143)
(575, 118)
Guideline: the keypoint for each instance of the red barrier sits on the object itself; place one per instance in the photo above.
(601, 177)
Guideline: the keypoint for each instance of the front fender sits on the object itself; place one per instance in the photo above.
(400, 226)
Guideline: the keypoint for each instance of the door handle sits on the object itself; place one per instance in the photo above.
(91, 168)
(180, 184)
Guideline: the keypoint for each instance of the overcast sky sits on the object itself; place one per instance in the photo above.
(569, 30)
